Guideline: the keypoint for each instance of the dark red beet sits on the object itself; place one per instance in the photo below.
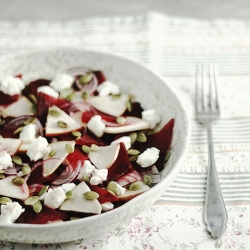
(7, 99)
(100, 76)
(88, 140)
(121, 165)
(104, 195)
(47, 215)
(136, 110)
(33, 86)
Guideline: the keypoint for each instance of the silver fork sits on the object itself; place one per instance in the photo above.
(207, 111)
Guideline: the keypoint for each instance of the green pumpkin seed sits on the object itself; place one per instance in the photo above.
(17, 159)
(62, 124)
(129, 105)
(30, 120)
(133, 152)
(91, 195)
(4, 113)
(34, 108)
(94, 148)
(147, 180)
(135, 186)
(43, 190)
(69, 195)
(2, 122)
(69, 148)
(38, 207)
(85, 95)
(112, 187)
(74, 218)
(18, 130)
(2, 176)
(4, 200)
(86, 149)
(133, 158)
(26, 169)
(166, 157)
(121, 120)
(76, 133)
(52, 152)
(18, 181)
(31, 200)
(85, 79)
(117, 96)
(33, 98)
(133, 137)
(141, 137)
(70, 97)
(54, 112)
(86, 178)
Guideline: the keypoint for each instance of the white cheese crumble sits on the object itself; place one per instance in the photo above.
(99, 176)
(96, 126)
(5, 160)
(148, 157)
(10, 212)
(12, 85)
(62, 81)
(38, 148)
(28, 133)
(87, 169)
(48, 91)
(125, 139)
(151, 117)
(118, 189)
(68, 187)
(54, 197)
(107, 206)
(107, 88)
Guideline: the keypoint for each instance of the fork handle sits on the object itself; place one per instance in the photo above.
(215, 210)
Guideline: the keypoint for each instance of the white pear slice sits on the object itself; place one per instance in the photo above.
(109, 105)
(51, 163)
(53, 126)
(21, 107)
(10, 145)
(79, 204)
(8, 189)
(105, 156)
(129, 194)
(132, 124)
(77, 117)
(24, 147)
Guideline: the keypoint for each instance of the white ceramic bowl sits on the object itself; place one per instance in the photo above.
(150, 90)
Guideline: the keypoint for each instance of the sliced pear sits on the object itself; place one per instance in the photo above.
(24, 147)
(10, 145)
(132, 124)
(77, 117)
(21, 107)
(8, 189)
(80, 204)
(59, 122)
(110, 105)
(105, 156)
(130, 194)
(57, 155)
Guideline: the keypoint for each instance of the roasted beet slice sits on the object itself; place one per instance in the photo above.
(104, 195)
(33, 86)
(7, 99)
(100, 76)
(47, 215)
(121, 165)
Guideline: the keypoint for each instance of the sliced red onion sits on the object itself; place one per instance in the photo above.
(153, 173)
(10, 171)
(129, 178)
(35, 188)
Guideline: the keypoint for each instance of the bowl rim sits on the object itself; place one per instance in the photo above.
(170, 176)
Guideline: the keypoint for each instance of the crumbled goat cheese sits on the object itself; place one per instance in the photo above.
(48, 91)
(99, 176)
(125, 139)
(38, 148)
(28, 133)
(5, 160)
(87, 169)
(107, 206)
(54, 197)
(12, 85)
(68, 187)
(96, 126)
(107, 88)
(151, 117)
(119, 190)
(62, 81)
(10, 212)
(148, 157)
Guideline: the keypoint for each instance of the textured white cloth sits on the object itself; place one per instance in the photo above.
(171, 46)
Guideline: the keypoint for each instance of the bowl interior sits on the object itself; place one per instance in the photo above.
(133, 78)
